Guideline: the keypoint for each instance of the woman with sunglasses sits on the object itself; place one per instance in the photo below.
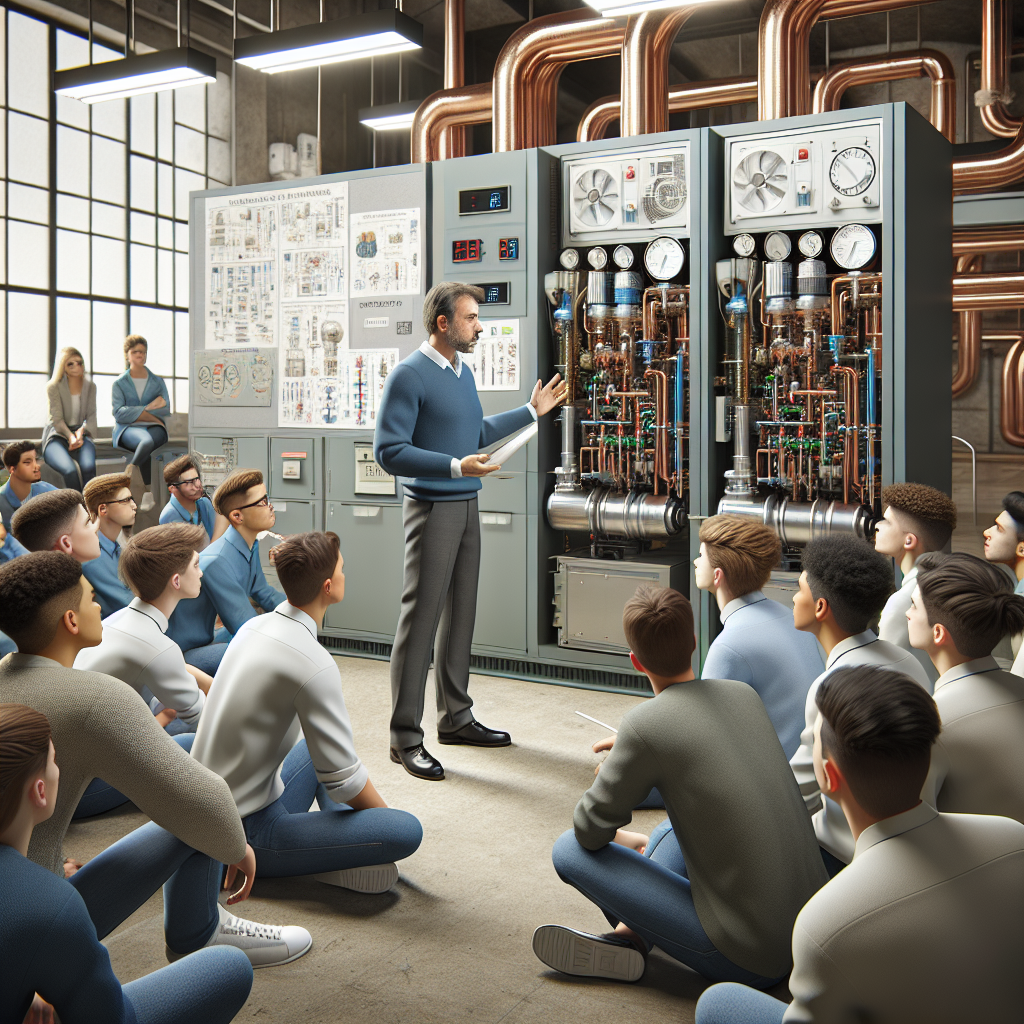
(67, 437)
(188, 502)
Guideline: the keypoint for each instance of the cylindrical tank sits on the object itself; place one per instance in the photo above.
(778, 286)
(598, 288)
(629, 287)
(811, 285)
(608, 513)
(799, 522)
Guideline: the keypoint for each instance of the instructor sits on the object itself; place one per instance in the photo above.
(430, 426)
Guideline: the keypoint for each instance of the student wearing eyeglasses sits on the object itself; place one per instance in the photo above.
(111, 506)
(232, 574)
(188, 503)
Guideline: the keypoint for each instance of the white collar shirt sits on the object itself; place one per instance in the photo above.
(435, 357)
(893, 625)
(754, 597)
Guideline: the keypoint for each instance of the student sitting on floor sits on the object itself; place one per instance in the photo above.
(962, 607)
(57, 521)
(51, 954)
(232, 574)
(926, 925)
(717, 886)
(10, 547)
(917, 519)
(188, 503)
(25, 480)
(104, 730)
(161, 565)
(275, 727)
(109, 501)
(843, 587)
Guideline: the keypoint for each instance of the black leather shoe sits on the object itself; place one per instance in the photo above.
(416, 761)
(476, 735)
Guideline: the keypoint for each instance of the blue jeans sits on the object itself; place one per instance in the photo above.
(142, 441)
(737, 1004)
(100, 797)
(649, 893)
(288, 840)
(206, 659)
(69, 463)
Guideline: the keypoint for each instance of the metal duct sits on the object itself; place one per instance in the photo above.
(996, 45)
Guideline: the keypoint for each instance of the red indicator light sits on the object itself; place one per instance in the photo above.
(467, 250)
(801, 154)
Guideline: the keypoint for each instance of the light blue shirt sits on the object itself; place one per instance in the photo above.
(1019, 589)
(11, 548)
(101, 572)
(760, 646)
(231, 575)
(204, 515)
(10, 502)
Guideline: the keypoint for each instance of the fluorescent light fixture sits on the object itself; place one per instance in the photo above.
(133, 76)
(389, 116)
(328, 42)
(614, 8)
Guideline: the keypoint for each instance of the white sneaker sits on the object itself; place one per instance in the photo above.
(588, 956)
(148, 501)
(266, 945)
(372, 878)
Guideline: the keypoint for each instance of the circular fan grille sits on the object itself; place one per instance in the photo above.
(595, 197)
(666, 197)
(760, 181)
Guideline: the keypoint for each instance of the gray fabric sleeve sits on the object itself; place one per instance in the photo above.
(173, 686)
(802, 762)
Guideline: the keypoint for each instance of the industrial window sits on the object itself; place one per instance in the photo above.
(94, 219)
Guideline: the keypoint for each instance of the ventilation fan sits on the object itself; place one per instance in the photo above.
(760, 181)
(666, 195)
(595, 197)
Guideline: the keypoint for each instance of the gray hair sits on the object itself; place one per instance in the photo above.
(441, 300)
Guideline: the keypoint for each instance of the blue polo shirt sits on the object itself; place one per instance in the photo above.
(204, 515)
(101, 572)
(10, 503)
(232, 574)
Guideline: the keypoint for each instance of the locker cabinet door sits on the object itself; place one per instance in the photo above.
(501, 596)
(291, 517)
(293, 469)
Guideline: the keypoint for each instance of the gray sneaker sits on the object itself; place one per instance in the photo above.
(586, 955)
(372, 878)
(266, 945)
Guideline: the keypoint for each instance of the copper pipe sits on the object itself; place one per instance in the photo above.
(1011, 414)
(991, 170)
(453, 136)
(988, 291)
(851, 449)
(996, 46)
(840, 285)
(644, 82)
(524, 93)
(916, 64)
(660, 421)
(968, 362)
(718, 92)
(469, 105)
(987, 240)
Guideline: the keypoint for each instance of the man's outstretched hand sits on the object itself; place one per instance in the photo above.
(552, 394)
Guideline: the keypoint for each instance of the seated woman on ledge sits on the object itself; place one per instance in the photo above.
(68, 435)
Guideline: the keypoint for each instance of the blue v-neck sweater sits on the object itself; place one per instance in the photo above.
(427, 417)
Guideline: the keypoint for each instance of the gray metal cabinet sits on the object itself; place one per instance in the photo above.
(250, 452)
(373, 546)
(291, 517)
(340, 457)
(501, 597)
(505, 491)
(294, 472)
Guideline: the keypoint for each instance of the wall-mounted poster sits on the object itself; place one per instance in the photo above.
(233, 377)
(495, 360)
(385, 250)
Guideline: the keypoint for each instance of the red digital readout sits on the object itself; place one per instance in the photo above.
(467, 250)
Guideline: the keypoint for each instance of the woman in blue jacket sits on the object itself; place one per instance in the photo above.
(141, 405)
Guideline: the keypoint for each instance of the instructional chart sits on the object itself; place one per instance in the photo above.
(234, 377)
(495, 360)
(386, 253)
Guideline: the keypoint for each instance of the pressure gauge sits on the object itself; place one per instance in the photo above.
(853, 246)
(852, 171)
(597, 258)
(777, 246)
(744, 245)
(623, 257)
(570, 259)
(664, 258)
(810, 244)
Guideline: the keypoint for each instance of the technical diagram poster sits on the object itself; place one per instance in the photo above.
(495, 360)
(361, 381)
(233, 377)
(385, 253)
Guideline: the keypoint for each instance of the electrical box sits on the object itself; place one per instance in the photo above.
(370, 478)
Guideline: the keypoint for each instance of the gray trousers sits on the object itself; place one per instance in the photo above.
(442, 566)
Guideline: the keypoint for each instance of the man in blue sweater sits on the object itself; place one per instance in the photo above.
(430, 427)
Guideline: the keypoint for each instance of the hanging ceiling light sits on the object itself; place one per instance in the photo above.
(389, 116)
(132, 76)
(328, 42)
(614, 8)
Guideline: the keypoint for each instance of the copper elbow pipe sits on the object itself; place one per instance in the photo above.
(978, 241)
(1011, 413)
(470, 104)
(917, 64)
(453, 136)
(968, 363)
(988, 291)
(718, 92)
(996, 45)
(644, 83)
(549, 42)
(993, 170)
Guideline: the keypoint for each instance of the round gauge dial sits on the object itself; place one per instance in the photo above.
(852, 171)
(623, 257)
(597, 258)
(664, 258)
(810, 244)
(570, 259)
(777, 246)
(744, 245)
(853, 246)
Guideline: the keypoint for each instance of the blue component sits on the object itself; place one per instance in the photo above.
(564, 311)
(495, 200)
(834, 341)
(647, 348)
(738, 303)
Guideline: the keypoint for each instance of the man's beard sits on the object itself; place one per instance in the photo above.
(464, 345)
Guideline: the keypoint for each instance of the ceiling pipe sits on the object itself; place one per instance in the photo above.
(453, 136)
(988, 240)
(915, 64)
(527, 70)
(988, 291)
(1011, 413)
(471, 104)
(996, 47)
(719, 92)
(991, 170)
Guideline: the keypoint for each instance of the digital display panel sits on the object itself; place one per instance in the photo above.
(508, 248)
(467, 250)
(495, 293)
(496, 199)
